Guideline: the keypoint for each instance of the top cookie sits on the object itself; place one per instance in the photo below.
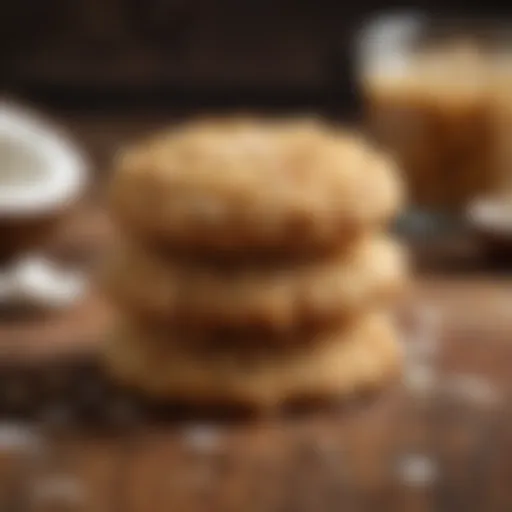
(248, 185)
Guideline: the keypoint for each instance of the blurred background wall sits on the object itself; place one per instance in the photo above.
(110, 54)
(112, 70)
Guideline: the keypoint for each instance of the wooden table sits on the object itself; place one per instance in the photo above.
(441, 442)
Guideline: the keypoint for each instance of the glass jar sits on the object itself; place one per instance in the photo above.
(429, 87)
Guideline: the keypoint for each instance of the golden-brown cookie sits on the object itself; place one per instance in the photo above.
(277, 297)
(245, 185)
(364, 357)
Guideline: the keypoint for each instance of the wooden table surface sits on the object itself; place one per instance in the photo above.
(441, 441)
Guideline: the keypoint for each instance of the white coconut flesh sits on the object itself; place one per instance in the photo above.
(492, 214)
(40, 170)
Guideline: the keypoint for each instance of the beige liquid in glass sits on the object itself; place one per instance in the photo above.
(435, 115)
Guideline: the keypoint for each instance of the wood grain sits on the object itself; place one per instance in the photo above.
(343, 458)
(365, 455)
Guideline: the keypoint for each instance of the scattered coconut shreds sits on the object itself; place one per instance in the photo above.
(424, 348)
(421, 344)
(427, 321)
(41, 283)
(472, 389)
(324, 447)
(420, 379)
(329, 454)
(202, 438)
(417, 470)
(58, 489)
(18, 438)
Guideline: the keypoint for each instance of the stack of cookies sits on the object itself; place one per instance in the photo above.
(253, 266)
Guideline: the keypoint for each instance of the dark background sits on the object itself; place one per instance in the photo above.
(131, 54)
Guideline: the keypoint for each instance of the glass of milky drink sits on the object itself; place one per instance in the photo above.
(500, 101)
(428, 88)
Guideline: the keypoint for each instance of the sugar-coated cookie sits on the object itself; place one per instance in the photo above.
(363, 357)
(277, 297)
(240, 185)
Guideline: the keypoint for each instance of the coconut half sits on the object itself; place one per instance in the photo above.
(42, 174)
(40, 169)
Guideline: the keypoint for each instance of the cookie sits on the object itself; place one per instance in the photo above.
(343, 363)
(246, 185)
(275, 297)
